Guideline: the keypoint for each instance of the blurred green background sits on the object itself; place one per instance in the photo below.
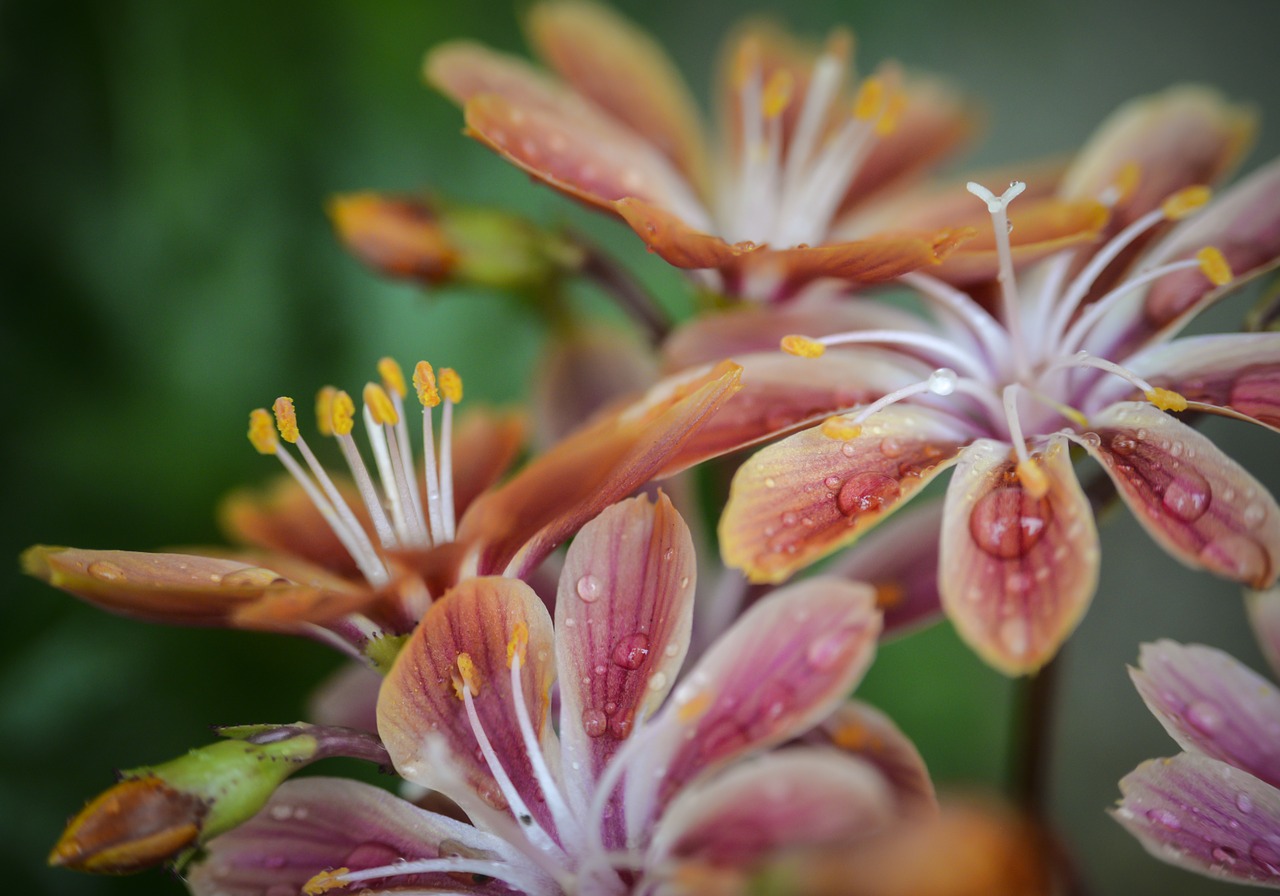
(167, 266)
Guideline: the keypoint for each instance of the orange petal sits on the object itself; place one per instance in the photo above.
(515, 526)
(396, 236)
(1016, 572)
(797, 501)
(462, 70)
(485, 445)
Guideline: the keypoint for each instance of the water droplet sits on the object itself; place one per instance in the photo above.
(1165, 819)
(1187, 496)
(866, 492)
(744, 246)
(827, 649)
(1253, 515)
(610, 708)
(1015, 634)
(1123, 444)
(847, 449)
(107, 572)
(594, 722)
(588, 588)
(1092, 439)
(1204, 717)
(600, 669)
(620, 726)
(832, 482)
(1007, 522)
(770, 482)
(684, 581)
(943, 381)
(1244, 803)
(252, 577)
(281, 813)
(658, 682)
(789, 519)
(1008, 226)
(668, 553)
(672, 649)
(631, 650)
(1225, 854)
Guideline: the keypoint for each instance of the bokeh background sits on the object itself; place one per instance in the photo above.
(167, 266)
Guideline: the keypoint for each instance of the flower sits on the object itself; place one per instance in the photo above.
(1002, 390)
(1214, 808)
(354, 563)
(641, 780)
(786, 200)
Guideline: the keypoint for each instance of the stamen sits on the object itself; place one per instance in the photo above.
(803, 346)
(777, 93)
(324, 410)
(286, 419)
(935, 349)
(1213, 264)
(393, 383)
(987, 332)
(1103, 306)
(1084, 359)
(1166, 399)
(340, 421)
(326, 881)
(1185, 201)
(893, 109)
(518, 646)
(1127, 180)
(467, 679)
(451, 387)
(1032, 476)
(424, 383)
(869, 100)
(840, 429)
(1014, 423)
(997, 206)
(262, 434)
(567, 824)
(376, 412)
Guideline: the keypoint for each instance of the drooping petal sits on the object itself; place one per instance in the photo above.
(348, 698)
(1205, 816)
(186, 589)
(315, 824)
(899, 558)
(783, 666)
(1016, 571)
(806, 496)
(1211, 703)
(515, 526)
(803, 796)
(623, 617)
(1264, 616)
(1200, 505)
(466, 641)
(625, 72)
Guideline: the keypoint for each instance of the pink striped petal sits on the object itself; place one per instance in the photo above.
(1016, 572)
(1200, 505)
(1264, 616)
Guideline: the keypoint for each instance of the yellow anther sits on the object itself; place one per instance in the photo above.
(1033, 478)
(286, 419)
(424, 381)
(324, 410)
(802, 346)
(325, 881)
(392, 376)
(467, 678)
(694, 707)
(870, 99)
(1166, 399)
(1127, 180)
(379, 404)
(777, 93)
(262, 431)
(519, 643)
(852, 736)
(451, 384)
(840, 428)
(1214, 266)
(888, 122)
(1184, 202)
(889, 595)
(344, 414)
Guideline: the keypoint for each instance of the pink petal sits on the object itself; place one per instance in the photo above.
(784, 666)
(623, 616)
(803, 796)
(1264, 616)
(316, 824)
(1016, 572)
(1205, 816)
(348, 698)
(422, 716)
(1211, 703)
(1200, 505)
(808, 495)
(463, 70)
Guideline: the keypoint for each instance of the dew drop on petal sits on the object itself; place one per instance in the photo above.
(1205, 717)
(866, 492)
(1165, 819)
(631, 650)
(848, 450)
(826, 650)
(594, 722)
(832, 482)
(1225, 854)
(1187, 496)
(1244, 803)
(107, 572)
(588, 588)
(658, 681)
(1007, 522)
(252, 577)
(1123, 444)
(892, 447)
(1253, 515)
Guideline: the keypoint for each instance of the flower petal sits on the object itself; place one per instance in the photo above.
(348, 698)
(1264, 616)
(515, 526)
(1016, 572)
(485, 445)
(623, 616)
(802, 498)
(466, 640)
(463, 69)
(1200, 505)
(1211, 703)
(1205, 816)
(803, 796)
(625, 72)
(784, 665)
(316, 824)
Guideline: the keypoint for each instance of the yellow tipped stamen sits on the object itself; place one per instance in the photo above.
(325, 881)
(889, 595)
(392, 376)
(451, 384)
(286, 419)
(262, 431)
(519, 643)
(852, 736)
(888, 122)
(1126, 182)
(1184, 202)
(344, 414)
(1166, 399)
(467, 678)
(870, 99)
(324, 410)
(424, 382)
(1034, 481)
(802, 346)
(1214, 266)
(840, 428)
(380, 405)
(694, 707)
(777, 93)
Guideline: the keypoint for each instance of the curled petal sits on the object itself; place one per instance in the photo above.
(623, 616)
(515, 526)
(1203, 815)
(1016, 572)
(1211, 703)
(804, 796)
(797, 501)
(1200, 505)
(465, 642)
(1264, 616)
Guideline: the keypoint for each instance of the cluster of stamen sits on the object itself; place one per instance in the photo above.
(400, 517)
